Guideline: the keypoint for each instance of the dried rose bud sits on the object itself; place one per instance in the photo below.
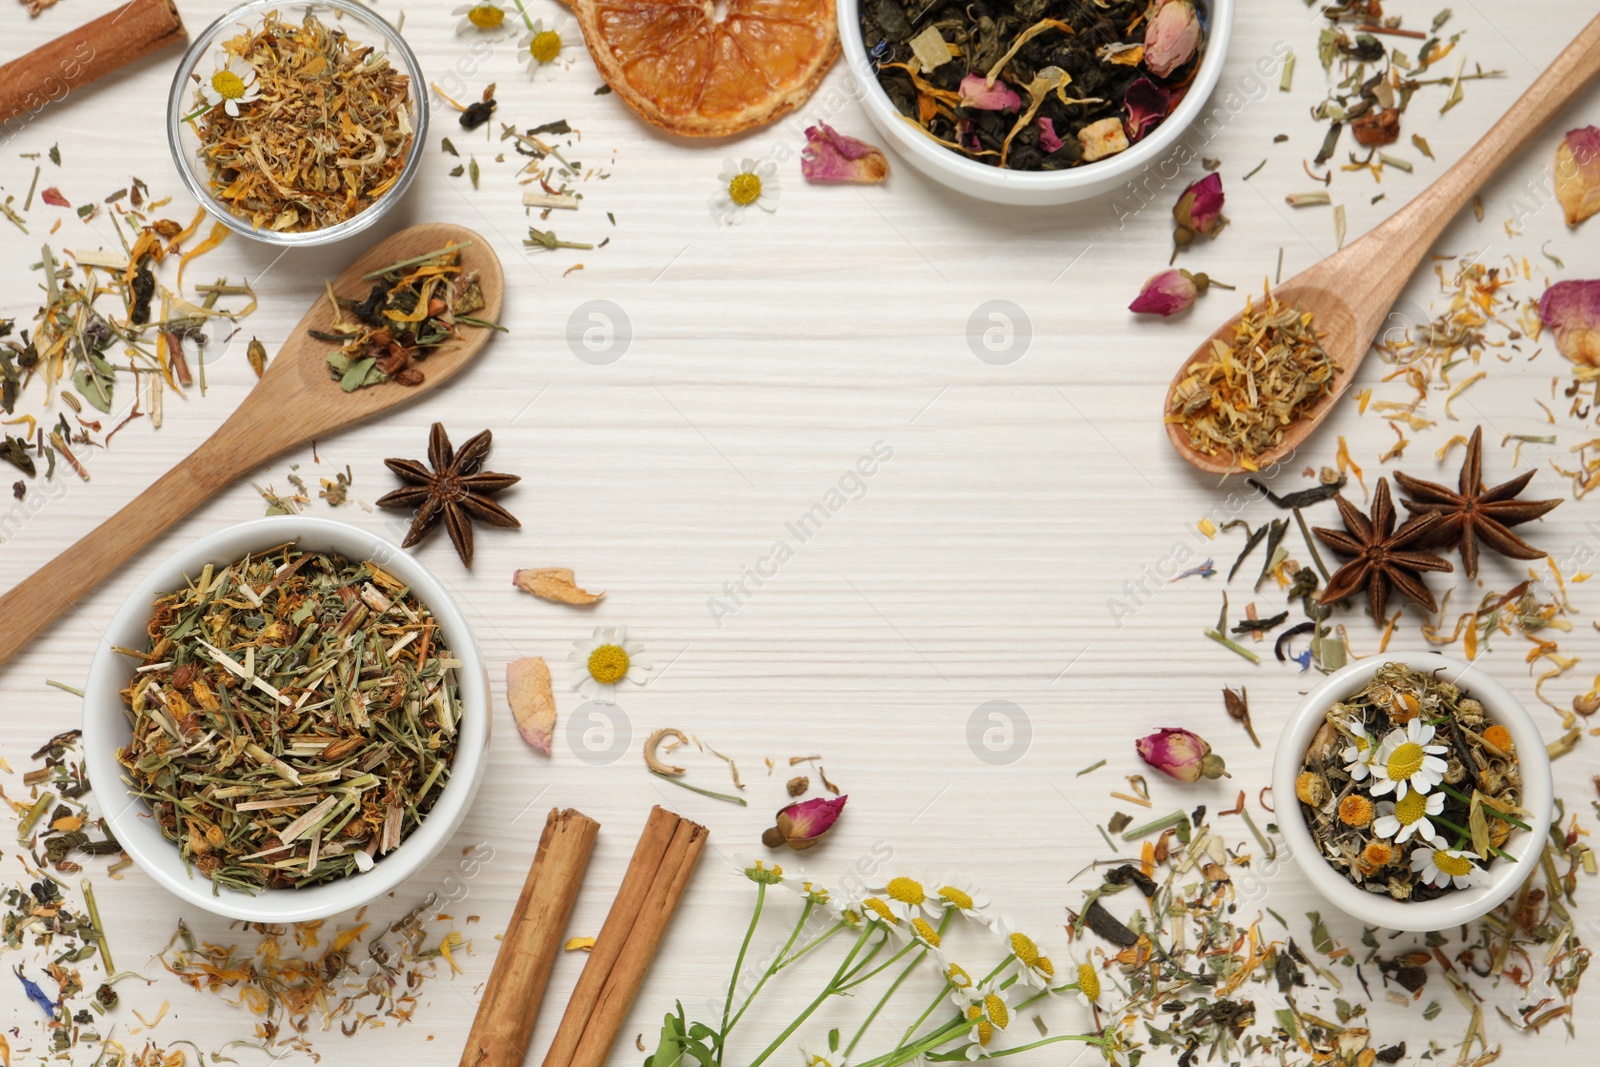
(1199, 208)
(1168, 293)
(1180, 754)
(977, 93)
(830, 156)
(804, 824)
(1172, 37)
(1572, 310)
(1578, 174)
(1146, 104)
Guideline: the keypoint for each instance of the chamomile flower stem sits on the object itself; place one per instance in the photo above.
(831, 990)
(811, 946)
(738, 963)
(883, 1001)
(771, 970)
(890, 962)
(1467, 836)
(526, 21)
(1498, 814)
(1091, 1038)
(938, 998)
(1003, 965)
(906, 1053)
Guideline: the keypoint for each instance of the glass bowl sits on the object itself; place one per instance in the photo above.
(365, 27)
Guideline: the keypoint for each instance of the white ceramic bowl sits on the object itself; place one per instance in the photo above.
(365, 27)
(1454, 908)
(106, 727)
(1038, 188)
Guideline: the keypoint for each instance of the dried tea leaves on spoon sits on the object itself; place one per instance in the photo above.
(294, 719)
(413, 308)
(1239, 399)
(303, 128)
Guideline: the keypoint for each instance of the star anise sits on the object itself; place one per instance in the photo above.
(1380, 555)
(455, 490)
(1475, 514)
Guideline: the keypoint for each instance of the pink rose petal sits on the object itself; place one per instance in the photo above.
(1048, 140)
(1578, 174)
(978, 94)
(1146, 104)
(830, 156)
(1572, 311)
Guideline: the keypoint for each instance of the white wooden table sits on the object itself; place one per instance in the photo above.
(979, 562)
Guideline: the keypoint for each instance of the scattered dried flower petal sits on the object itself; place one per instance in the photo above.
(830, 156)
(533, 704)
(1049, 141)
(1578, 174)
(977, 93)
(1146, 104)
(554, 584)
(1572, 310)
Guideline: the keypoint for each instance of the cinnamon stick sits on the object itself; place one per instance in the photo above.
(665, 857)
(510, 1003)
(50, 72)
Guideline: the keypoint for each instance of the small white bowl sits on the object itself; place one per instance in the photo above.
(106, 727)
(1037, 188)
(1454, 908)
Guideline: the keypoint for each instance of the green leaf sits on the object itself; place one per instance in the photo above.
(833, 1040)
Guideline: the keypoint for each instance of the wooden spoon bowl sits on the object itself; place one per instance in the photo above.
(1351, 293)
(295, 402)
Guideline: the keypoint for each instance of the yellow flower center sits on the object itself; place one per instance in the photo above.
(996, 1010)
(486, 16)
(881, 910)
(545, 46)
(958, 976)
(769, 874)
(1045, 967)
(1025, 949)
(228, 85)
(744, 189)
(906, 891)
(1410, 808)
(954, 896)
(1454, 866)
(608, 664)
(1405, 761)
(925, 931)
(984, 1028)
(1088, 981)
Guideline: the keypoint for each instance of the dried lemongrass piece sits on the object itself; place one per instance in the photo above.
(533, 704)
(555, 584)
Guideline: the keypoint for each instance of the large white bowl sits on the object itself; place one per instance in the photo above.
(1036, 188)
(1454, 908)
(106, 727)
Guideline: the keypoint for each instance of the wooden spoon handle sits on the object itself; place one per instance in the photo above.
(244, 442)
(1410, 232)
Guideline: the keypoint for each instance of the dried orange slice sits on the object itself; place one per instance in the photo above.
(712, 68)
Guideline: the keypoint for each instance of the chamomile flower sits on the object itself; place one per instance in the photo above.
(1033, 966)
(876, 909)
(545, 47)
(797, 881)
(956, 977)
(825, 1058)
(1408, 817)
(605, 660)
(761, 872)
(846, 906)
(986, 1012)
(1358, 754)
(964, 895)
(1090, 982)
(910, 896)
(483, 17)
(1441, 867)
(745, 183)
(231, 84)
(1406, 761)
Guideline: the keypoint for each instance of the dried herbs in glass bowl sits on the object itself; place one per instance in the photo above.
(1035, 85)
(297, 126)
(1410, 789)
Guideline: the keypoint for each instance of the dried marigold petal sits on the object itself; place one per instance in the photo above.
(556, 584)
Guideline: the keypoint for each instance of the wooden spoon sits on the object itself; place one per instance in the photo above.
(1350, 293)
(295, 401)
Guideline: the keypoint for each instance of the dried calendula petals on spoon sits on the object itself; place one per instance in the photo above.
(533, 703)
(553, 583)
